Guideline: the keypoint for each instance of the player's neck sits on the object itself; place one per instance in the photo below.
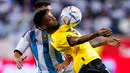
(51, 31)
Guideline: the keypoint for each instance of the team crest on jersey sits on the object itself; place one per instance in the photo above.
(44, 37)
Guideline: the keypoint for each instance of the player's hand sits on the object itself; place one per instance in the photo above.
(113, 41)
(62, 66)
(106, 32)
(19, 62)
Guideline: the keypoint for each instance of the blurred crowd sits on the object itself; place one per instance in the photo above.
(16, 18)
(16, 15)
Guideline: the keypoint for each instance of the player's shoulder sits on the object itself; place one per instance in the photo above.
(59, 35)
(64, 28)
(58, 31)
(30, 30)
(75, 32)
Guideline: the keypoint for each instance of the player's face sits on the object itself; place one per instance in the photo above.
(50, 21)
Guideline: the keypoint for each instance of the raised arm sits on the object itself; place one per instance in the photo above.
(79, 40)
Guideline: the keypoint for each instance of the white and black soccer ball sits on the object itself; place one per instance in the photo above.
(71, 16)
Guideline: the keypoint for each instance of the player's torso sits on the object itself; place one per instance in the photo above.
(73, 51)
(39, 51)
(82, 54)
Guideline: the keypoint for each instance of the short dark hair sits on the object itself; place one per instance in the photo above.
(41, 3)
(38, 18)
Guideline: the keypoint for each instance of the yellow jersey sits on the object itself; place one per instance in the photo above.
(82, 53)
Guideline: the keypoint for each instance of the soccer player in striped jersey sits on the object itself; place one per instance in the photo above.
(69, 41)
(46, 57)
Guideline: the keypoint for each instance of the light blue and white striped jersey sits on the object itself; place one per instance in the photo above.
(45, 61)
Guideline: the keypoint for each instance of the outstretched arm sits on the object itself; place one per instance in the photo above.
(79, 40)
(105, 41)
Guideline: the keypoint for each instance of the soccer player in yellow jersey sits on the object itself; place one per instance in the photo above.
(69, 41)
(83, 54)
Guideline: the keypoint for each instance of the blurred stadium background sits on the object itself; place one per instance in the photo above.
(16, 18)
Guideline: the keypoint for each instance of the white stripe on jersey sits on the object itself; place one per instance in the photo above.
(25, 43)
(40, 52)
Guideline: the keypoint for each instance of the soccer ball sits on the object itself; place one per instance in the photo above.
(71, 16)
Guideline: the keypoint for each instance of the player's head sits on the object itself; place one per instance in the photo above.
(44, 20)
(41, 5)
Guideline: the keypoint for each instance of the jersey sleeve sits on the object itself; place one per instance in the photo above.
(60, 41)
(23, 43)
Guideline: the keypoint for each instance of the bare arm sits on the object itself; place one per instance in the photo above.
(17, 58)
(65, 64)
(105, 41)
(79, 40)
(68, 59)
(98, 42)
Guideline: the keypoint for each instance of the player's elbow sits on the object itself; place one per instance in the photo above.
(72, 44)
(72, 41)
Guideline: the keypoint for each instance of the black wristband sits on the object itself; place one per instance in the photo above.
(18, 52)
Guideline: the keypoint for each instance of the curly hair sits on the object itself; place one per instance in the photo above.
(38, 18)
